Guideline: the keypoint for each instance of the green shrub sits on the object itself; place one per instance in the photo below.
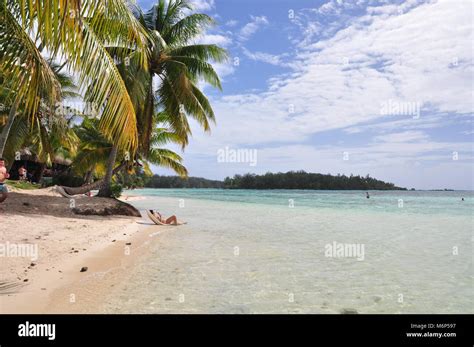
(116, 190)
(22, 185)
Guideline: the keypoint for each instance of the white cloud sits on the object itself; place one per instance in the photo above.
(394, 161)
(232, 23)
(215, 39)
(252, 27)
(422, 53)
(402, 137)
(342, 81)
(264, 57)
(202, 5)
(224, 69)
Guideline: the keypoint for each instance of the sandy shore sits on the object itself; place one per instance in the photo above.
(57, 244)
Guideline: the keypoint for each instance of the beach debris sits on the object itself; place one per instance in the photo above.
(128, 243)
(84, 269)
(25, 280)
(349, 311)
(114, 240)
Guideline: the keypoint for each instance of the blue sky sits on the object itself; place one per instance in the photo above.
(363, 87)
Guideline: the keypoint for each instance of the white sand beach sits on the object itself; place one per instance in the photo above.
(48, 277)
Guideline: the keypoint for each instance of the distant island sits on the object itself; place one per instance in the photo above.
(288, 180)
(157, 181)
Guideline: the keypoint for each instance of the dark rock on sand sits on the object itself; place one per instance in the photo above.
(84, 269)
(112, 207)
(59, 207)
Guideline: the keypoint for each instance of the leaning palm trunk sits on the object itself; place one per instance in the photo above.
(84, 189)
(92, 186)
(8, 126)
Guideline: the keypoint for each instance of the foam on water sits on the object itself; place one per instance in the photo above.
(250, 252)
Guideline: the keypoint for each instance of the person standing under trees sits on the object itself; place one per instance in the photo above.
(22, 174)
(3, 176)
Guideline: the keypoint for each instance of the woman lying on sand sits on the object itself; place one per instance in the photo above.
(170, 220)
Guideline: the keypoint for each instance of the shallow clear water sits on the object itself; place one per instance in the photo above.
(267, 252)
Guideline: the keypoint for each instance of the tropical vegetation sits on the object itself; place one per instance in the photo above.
(305, 180)
(103, 85)
(288, 180)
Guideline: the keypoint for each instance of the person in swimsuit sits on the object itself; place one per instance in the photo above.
(3, 176)
(170, 220)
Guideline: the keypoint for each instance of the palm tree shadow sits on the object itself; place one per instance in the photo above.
(10, 287)
(145, 223)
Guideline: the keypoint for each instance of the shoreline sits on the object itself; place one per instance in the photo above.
(53, 282)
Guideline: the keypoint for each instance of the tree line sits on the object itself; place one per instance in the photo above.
(288, 180)
(305, 180)
(158, 181)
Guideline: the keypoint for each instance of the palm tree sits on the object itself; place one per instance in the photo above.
(77, 32)
(47, 134)
(161, 48)
(95, 151)
(179, 65)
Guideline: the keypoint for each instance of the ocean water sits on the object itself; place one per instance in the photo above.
(296, 251)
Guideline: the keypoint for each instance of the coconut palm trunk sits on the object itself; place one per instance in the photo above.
(8, 126)
(92, 186)
(105, 190)
(88, 177)
(39, 176)
(84, 189)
